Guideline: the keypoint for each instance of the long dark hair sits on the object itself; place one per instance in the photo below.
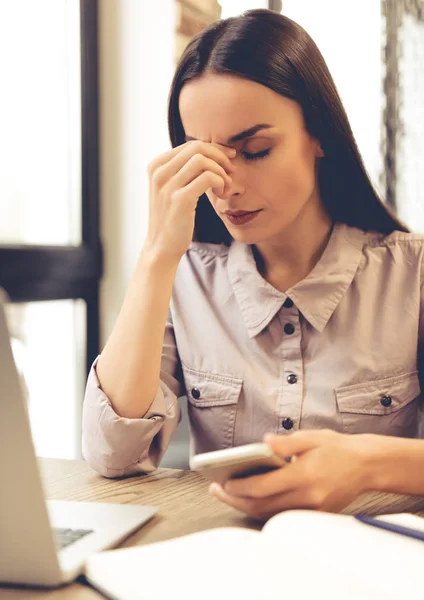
(271, 49)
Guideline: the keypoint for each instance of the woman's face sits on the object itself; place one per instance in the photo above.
(275, 165)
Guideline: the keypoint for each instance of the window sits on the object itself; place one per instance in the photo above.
(50, 252)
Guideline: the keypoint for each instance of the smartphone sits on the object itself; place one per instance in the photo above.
(234, 463)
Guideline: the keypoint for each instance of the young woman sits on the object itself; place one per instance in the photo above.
(274, 288)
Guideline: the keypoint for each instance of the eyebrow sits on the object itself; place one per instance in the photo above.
(238, 137)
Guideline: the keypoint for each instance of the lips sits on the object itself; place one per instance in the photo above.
(241, 217)
(239, 213)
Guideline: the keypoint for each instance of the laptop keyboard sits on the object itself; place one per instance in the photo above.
(65, 537)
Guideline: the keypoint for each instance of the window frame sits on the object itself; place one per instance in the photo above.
(32, 273)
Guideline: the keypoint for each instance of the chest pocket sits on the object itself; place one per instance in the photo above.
(212, 407)
(389, 406)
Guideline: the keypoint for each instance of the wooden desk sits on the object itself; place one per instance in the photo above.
(185, 507)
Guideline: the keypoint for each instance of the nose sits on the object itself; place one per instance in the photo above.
(236, 188)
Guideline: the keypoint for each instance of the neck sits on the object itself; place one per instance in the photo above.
(287, 259)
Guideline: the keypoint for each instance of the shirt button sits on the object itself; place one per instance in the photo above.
(289, 328)
(292, 378)
(287, 423)
(288, 303)
(386, 401)
(195, 393)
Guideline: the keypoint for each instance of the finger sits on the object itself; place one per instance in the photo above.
(297, 499)
(171, 162)
(196, 165)
(298, 442)
(197, 151)
(200, 185)
(245, 505)
(263, 508)
(196, 146)
(282, 480)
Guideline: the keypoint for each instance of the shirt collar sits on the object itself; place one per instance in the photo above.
(317, 296)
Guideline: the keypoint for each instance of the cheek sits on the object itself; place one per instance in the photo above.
(295, 173)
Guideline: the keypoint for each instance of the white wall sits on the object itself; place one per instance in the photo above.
(231, 8)
(349, 35)
(136, 66)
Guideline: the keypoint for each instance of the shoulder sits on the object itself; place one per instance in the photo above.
(397, 243)
(208, 250)
(202, 276)
(206, 256)
(203, 260)
(404, 241)
(406, 250)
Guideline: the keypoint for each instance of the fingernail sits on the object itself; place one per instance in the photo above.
(232, 151)
(215, 488)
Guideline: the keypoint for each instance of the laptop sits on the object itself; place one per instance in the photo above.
(44, 543)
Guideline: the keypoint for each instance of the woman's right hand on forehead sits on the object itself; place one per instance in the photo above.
(177, 179)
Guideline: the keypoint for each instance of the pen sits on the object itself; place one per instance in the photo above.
(393, 527)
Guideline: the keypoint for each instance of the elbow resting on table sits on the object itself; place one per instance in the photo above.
(113, 467)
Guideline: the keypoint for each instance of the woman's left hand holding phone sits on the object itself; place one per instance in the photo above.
(330, 470)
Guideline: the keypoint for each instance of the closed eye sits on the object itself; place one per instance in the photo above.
(261, 154)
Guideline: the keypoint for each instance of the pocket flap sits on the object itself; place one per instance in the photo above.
(211, 389)
(380, 397)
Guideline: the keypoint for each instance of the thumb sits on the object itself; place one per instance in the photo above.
(295, 443)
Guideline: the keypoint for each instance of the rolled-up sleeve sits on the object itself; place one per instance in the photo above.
(117, 446)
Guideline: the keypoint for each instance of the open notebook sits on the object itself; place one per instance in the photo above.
(298, 554)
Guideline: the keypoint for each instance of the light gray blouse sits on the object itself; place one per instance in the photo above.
(342, 349)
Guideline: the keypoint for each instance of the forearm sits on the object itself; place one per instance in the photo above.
(394, 464)
(129, 366)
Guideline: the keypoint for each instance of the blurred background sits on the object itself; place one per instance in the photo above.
(82, 113)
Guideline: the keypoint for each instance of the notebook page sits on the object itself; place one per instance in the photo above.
(405, 519)
(217, 563)
(225, 563)
(390, 563)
